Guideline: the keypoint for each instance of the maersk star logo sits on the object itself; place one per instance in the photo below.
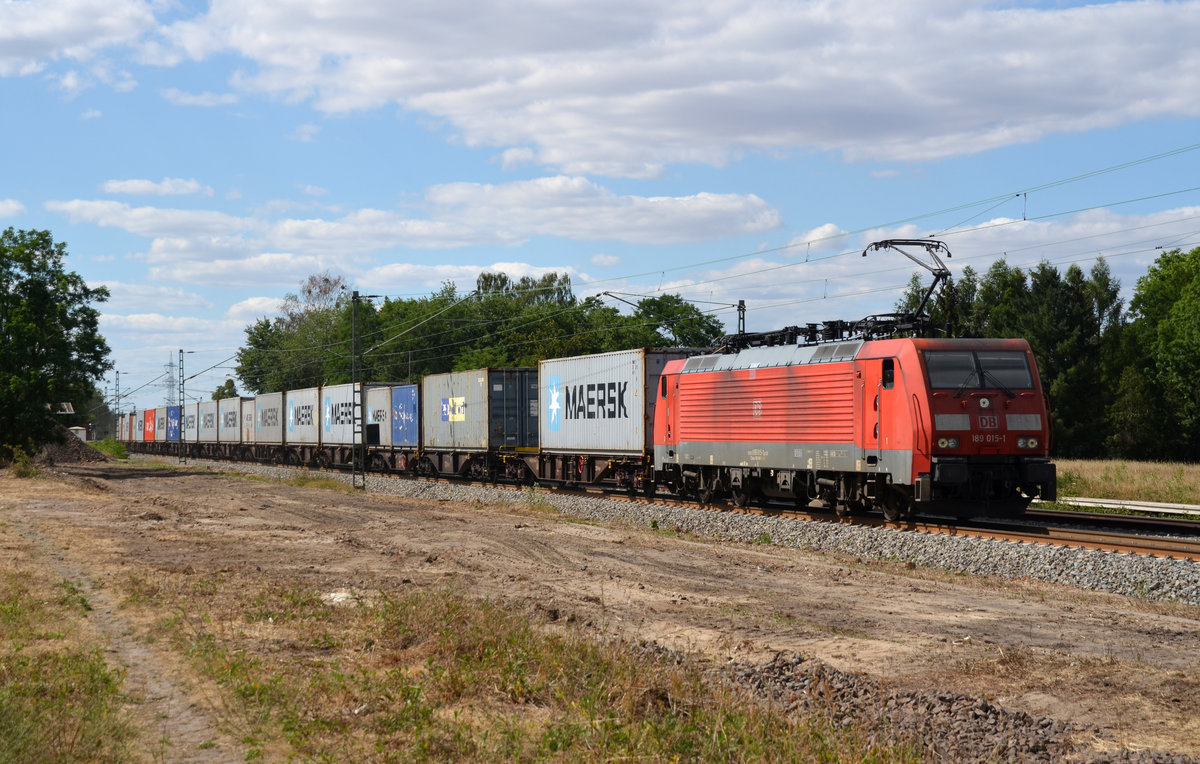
(554, 406)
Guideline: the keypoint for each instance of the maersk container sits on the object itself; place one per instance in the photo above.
(268, 419)
(406, 416)
(480, 410)
(206, 421)
(379, 415)
(601, 404)
(173, 423)
(229, 420)
(191, 422)
(160, 424)
(337, 415)
(303, 416)
(248, 419)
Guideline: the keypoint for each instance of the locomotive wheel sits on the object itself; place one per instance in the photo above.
(741, 497)
(896, 506)
(649, 488)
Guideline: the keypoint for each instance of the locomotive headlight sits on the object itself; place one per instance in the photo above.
(947, 442)
(985, 403)
(1027, 442)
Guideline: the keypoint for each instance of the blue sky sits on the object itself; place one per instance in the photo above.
(202, 159)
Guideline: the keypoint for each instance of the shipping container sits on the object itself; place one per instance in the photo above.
(379, 416)
(268, 419)
(160, 424)
(248, 421)
(480, 410)
(601, 404)
(139, 426)
(337, 415)
(406, 416)
(206, 421)
(303, 417)
(229, 420)
(191, 422)
(173, 423)
(148, 421)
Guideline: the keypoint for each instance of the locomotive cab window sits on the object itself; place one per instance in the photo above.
(976, 369)
(889, 373)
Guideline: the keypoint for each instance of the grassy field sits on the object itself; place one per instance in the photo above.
(436, 675)
(1134, 481)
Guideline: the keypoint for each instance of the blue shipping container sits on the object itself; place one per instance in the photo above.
(173, 424)
(406, 416)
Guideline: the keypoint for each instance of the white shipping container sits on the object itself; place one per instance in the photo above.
(229, 420)
(160, 425)
(139, 427)
(191, 429)
(379, 412)
(268, 419)
(601, 404)
(337, 415)
(248, 420)
(303, 416)
(206, 422)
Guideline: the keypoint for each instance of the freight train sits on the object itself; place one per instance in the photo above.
(935, 426)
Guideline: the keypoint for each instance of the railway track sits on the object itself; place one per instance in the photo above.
(1128, 534)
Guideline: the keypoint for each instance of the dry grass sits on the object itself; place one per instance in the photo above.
(434, 674)
(1175, 483)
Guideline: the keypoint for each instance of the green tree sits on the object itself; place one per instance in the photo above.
(51, 350)
(226, 389)
(679, 323)
(1156, 414)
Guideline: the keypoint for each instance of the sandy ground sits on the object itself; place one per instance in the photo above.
(1125, 666)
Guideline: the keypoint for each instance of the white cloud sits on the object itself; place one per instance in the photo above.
(91, 114)
(126, 297)
(412, 276)
(33, 34)
(150, 221)
(165, 187)
(304, 133)
(11, 208)
(254, 308)
(627, 88)
(206, 99)
(269, 268)
(605, 261)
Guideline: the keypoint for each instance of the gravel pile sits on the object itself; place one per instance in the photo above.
(941, 726)
(1127, 574)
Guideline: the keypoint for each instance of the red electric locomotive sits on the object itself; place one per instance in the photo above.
(944, 426)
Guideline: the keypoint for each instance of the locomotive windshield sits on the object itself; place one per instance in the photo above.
(974, 369)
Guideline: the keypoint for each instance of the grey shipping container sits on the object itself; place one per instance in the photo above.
(229, 420)
(480, 410)
(268, 419)
(303, 417)
(206, 426)
(602, 404)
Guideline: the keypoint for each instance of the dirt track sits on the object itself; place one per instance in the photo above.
(1125, 666)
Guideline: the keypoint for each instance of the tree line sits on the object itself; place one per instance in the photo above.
(1122, 382)
(502, 323)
